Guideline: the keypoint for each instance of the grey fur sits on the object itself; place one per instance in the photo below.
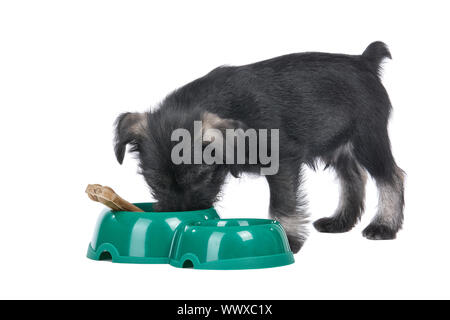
(390, 208)
(289, 207)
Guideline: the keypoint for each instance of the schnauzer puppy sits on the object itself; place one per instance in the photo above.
(327, 107)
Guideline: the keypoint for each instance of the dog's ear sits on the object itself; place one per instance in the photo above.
(214, 121)
(129, 128)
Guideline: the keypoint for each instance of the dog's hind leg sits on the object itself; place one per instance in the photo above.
(352, 179)
(287, 203)
(373, 151)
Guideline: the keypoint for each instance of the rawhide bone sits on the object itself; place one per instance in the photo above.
(110, 198)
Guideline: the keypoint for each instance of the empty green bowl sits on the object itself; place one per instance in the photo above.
(230, 244)
(139, 237)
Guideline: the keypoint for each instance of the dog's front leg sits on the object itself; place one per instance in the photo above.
(287, 204)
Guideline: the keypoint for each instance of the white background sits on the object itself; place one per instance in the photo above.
(68, 68)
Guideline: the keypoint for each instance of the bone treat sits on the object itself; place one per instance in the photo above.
(109, 198)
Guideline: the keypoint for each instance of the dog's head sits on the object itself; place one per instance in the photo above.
(176, 187)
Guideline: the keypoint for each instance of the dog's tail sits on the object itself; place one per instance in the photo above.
(375, 53)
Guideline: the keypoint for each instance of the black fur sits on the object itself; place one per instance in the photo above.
(322, 104)
(352, 179)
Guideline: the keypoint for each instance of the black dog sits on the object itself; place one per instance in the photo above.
(328, 107)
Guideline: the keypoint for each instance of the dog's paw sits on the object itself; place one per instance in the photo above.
(332, 225)
(295, 243)
(376, 231)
